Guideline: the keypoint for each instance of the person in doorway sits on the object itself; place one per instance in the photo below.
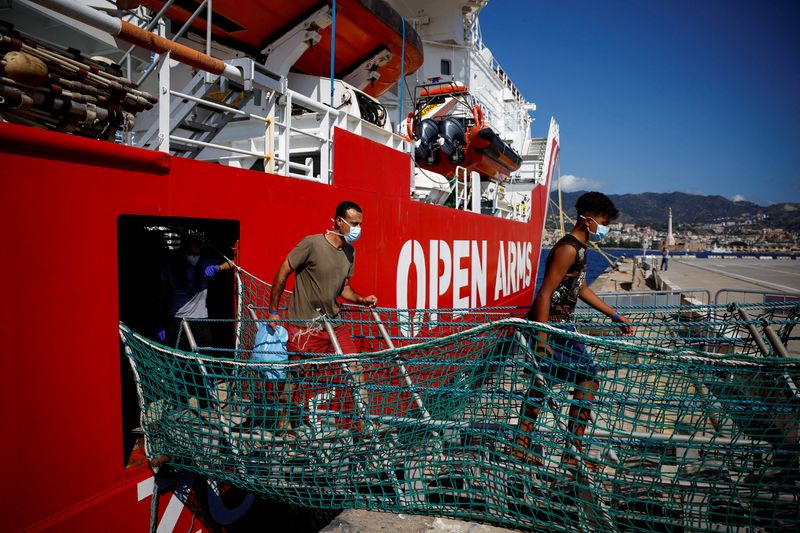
(562, 359)
(664, 258)
(323, 265)
(184, 289)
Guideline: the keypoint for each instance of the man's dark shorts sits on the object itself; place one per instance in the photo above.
(569, 363)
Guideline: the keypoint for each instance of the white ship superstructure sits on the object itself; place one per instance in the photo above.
(297, 143)
(455, 51)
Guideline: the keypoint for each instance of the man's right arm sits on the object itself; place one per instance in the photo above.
(278, 284)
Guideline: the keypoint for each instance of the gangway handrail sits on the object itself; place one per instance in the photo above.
(401, 367)
(360, 399)
(210, 389)
(756, 336)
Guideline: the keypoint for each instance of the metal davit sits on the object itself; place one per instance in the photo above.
(695, 425)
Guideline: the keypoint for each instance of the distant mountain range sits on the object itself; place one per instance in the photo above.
(650, 209)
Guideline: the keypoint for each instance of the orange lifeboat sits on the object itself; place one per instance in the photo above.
(449, 130)
(452, 87)
(363, 29)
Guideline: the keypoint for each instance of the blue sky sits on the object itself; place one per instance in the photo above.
(658, 96)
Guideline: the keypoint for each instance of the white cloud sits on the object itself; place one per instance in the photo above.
(738, 198)
(570, 183)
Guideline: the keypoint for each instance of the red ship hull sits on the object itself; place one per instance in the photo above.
(63, 197)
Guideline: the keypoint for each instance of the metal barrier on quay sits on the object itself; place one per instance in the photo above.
(657, 298)
(725, 296)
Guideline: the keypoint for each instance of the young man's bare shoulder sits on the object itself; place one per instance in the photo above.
(564, 252)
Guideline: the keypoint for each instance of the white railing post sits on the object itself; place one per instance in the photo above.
(270, 151)
(464, 188)
(287, 127)
(163, 104)
(476, 191)
(209, 13)
(269, 145)
(335, 118)
(325, 127)
(460, 188)
(455, 189)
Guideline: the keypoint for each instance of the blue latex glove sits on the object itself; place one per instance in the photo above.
(210, 270)
(162, 334)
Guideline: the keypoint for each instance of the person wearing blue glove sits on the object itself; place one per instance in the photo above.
(184, 289)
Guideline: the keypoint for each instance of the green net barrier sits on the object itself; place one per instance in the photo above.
(692, 427)
(712, 328)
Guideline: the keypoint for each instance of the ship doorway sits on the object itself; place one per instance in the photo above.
(145, 246)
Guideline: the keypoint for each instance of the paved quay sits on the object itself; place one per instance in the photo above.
(359, 521)
(749, 274)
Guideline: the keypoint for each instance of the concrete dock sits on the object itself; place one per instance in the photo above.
(359, 521)
(745, 279)
(747, 274)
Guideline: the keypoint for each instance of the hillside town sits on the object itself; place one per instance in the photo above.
(744, 234)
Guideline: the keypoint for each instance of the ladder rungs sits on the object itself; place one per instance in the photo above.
(182, 147)
(198, 127)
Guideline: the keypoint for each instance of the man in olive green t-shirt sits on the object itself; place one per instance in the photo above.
(323, 266)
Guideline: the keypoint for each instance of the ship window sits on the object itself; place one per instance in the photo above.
(446, 70)
(145, 245)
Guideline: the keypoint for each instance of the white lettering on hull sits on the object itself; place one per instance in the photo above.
(460, 274)
(460, 269)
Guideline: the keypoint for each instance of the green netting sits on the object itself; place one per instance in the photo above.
(711, 328)
(462, 420)
(435, 427)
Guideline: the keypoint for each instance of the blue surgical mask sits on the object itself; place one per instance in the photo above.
(600, 234)
(354, 233)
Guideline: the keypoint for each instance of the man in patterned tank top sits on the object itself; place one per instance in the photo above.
(563, 360)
